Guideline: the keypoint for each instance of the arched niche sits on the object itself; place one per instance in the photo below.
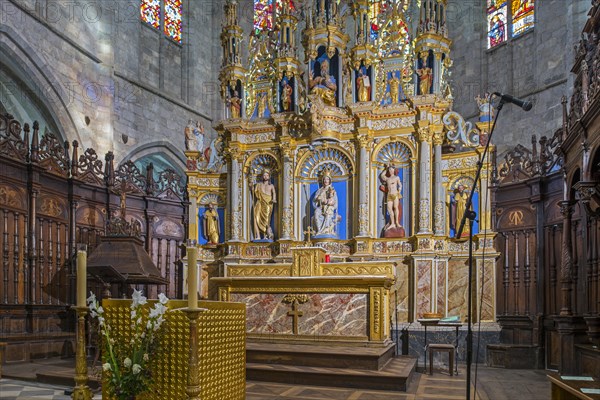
(399, 155)
(219, 203)
(453, 196)
(311, 167)
(254, 168)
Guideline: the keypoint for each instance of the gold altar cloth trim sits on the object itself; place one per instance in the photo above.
(383, 268)
(222, 349)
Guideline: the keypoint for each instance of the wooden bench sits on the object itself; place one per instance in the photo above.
(448, 348)
(571, 389)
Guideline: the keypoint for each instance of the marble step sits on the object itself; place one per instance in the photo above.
(373, 358)
(395, 375)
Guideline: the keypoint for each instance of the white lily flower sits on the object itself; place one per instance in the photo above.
(136, 369)
(100, 310)
(92, 298)
(133, 314)
(138, 298)
(162, 298)
(127, 362)
(146, 357)
(106, 367)
(148, 325)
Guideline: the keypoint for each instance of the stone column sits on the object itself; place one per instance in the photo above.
(439, 214)
(424, 136)
(287, 219)
(363, 187)
(236, 196)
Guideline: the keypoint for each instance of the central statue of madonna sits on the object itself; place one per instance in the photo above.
(325, 204)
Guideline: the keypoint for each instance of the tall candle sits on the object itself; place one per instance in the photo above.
(192, 277)
(81, 277)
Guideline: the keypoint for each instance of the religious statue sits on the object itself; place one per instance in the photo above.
(325, 203)
(264, 198)
(325, 85)
(458, 207)
(286, 95)
(210, 224)
(391, 186)
(425, 77)
(199, 135)
(394, 82)
(190, 140)
(262, 105)
(363, 85)
(212, 154)
(486, 111)
(235, 105)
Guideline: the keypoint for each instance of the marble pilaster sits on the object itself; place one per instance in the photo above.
(425, 137)
(363, 194)
(236, 196)
(439, 214)
(286, 198)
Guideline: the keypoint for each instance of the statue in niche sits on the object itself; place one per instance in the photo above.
(262, 105)
(235, 105)
(363, 85)
(394, 83)
(458, 206)
(425, 76)
(324, 85)
(325, 203)
(264, 198)
(286, 94)
(210, 224)
(191, 144)
(212, 154)
(391, 186)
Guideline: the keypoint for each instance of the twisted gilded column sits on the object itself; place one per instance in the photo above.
(287, 219)
(363, 189)
(424, 136)
(439, 213)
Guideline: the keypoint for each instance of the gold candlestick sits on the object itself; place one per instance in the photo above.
(193, 382)
(81, 390)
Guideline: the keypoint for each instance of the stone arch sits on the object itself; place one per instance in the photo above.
(170, 154)
(334, 157)
(389, 148)
(24, 62)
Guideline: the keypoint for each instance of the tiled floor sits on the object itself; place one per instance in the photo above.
(492, 385)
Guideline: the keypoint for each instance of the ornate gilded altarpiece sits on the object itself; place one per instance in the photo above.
(341, 143)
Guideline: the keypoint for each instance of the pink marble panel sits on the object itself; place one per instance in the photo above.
(487, 306)
(400, 292)
(334, 315)
(423, 287)
(441, 288)
(265, 313)
(457, 287)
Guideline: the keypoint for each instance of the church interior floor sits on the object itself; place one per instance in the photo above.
(18, 383)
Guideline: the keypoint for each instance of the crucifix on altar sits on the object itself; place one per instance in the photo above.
(294, 300)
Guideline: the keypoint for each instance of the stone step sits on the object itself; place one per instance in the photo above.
(370, 358)
(395, 375)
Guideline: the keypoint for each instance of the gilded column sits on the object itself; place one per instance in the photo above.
(193, 216)
(436, 71)
(286, 197)
(439, 214)
(236, 195)
(363, 189)
(424, 137)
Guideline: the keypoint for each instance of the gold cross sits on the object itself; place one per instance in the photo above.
(309, 231)
(295, 314)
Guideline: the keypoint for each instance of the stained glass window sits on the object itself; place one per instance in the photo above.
(263, 15)
(150, 12)
(173, 19)
(497, 11)
(522, 15)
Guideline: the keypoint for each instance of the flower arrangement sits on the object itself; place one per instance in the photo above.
(127, 365)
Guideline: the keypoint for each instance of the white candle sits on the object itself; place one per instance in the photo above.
(81, 277)
(192, 277)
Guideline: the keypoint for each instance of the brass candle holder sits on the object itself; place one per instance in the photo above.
(82, 390)
(193, 381)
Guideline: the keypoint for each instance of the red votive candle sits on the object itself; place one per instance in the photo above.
(327, 258)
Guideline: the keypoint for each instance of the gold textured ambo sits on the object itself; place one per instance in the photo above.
(221, 339)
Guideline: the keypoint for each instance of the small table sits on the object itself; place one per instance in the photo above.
(426, 322)
(571, 389)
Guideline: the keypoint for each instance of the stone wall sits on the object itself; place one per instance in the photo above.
(109, 80)
(535, 65)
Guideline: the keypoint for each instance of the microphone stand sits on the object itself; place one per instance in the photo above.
(471, 215)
